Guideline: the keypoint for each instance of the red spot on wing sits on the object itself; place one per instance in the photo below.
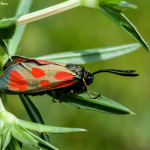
(17, 81)
(63, 76)
(17, 60)
(63, 84)
(45, 83)
(37, 72)
(45, 62)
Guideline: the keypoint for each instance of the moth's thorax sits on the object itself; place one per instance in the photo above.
(81, 73)
(77, 69)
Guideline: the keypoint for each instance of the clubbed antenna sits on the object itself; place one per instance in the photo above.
(118, 72)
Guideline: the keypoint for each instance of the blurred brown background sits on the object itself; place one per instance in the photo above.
(84, 28)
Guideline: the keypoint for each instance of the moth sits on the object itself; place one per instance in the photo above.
(29, 76)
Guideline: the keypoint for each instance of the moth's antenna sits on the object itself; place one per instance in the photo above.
(118, 72)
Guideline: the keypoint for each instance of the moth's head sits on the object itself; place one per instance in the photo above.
(89, 78)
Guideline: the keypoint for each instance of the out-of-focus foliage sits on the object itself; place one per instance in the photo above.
(116, 15)
(85, 28)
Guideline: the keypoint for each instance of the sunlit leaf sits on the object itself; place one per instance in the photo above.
(13, 145)
(121, 20)
(6, 137)
(119, 3)
(4, 125)
(23, 137)
(83, 100)
(45, 128)
(123, 4)
(41, 141)
(91, 55)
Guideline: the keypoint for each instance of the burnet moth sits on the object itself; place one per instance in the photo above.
(28, 76)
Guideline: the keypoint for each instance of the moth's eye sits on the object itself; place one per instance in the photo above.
(89, 79)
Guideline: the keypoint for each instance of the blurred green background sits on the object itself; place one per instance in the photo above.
(84, 28)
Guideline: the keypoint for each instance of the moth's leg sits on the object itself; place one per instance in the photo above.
(85, 86)
(93, 96)
(71, 91)
(53, 96)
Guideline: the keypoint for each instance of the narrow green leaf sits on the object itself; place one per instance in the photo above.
(3, 124)
(23, 7)
(123, 4)
(119, 3)
(45, 128)
(41, 141)
(4, 100)
(13, 145)
(123, 22)
(91, 55)
(4, 45)
(7, 27)
(34, 114)
(83, 100)
(7, 32)
(6, 137)
(23, 136)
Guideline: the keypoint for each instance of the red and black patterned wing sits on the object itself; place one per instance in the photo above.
(19, 59)
(14, 60)
(32, 77)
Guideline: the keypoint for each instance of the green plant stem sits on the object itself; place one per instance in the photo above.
(48, 11)
(1, 106)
